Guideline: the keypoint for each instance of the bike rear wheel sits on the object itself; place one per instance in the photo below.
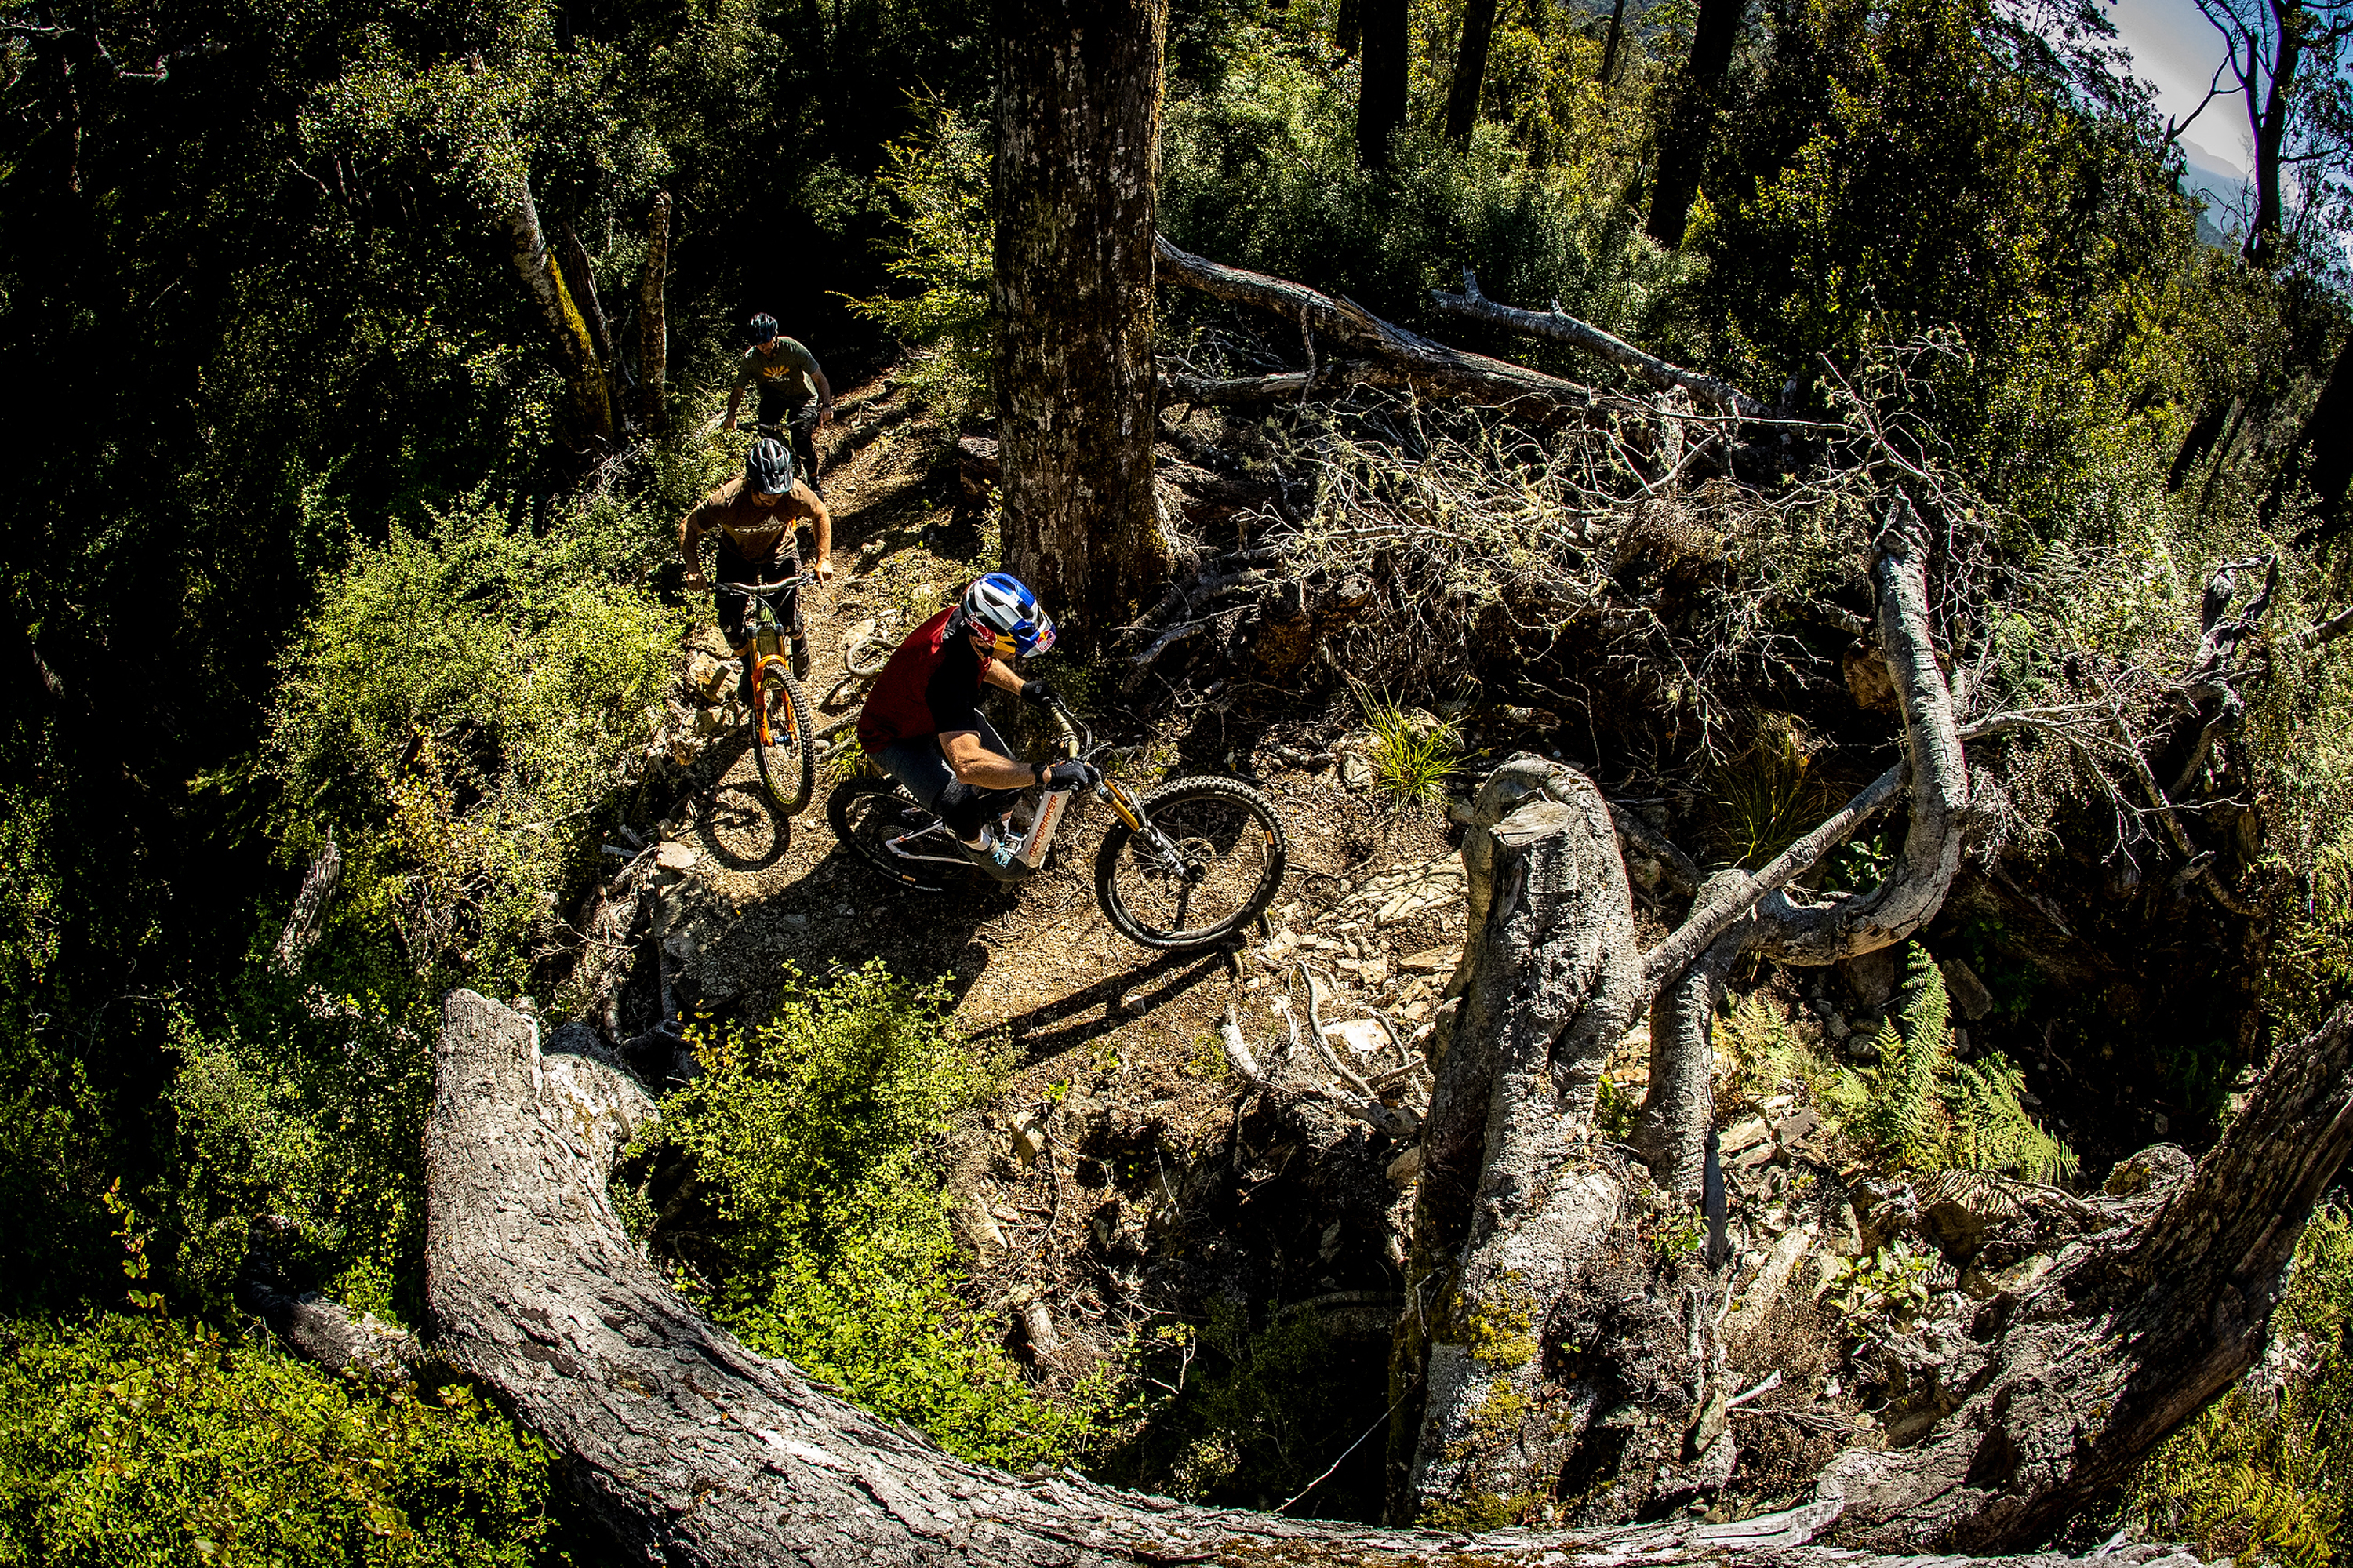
(780, 740)
(1229, 854)
(870, 815)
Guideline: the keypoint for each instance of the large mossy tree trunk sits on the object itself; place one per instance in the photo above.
(1078, 135)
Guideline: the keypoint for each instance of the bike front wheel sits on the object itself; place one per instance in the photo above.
(780, 740)
(1210, 864)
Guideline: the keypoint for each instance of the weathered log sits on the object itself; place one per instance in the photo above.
(687, 1449)
(653, 319)
(1515, 1199)
(1425, 364)
(310, 911)
(1679, 1106)
(1562, 327)
(2129, 1335)
(1844, 926)
(320, 1330)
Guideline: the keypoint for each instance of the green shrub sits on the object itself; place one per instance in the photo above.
(455, 711)
(1924, 1109)
(938, 181)
(1414, 756)
(145, 1441)
(816, 1137)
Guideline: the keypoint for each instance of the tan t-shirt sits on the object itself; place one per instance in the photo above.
(762, 535)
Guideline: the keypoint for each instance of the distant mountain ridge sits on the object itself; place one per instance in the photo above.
(2220, 185)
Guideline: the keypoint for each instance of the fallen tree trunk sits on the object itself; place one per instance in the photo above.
(687, 1449)
(1423, 363)
(1564, 328)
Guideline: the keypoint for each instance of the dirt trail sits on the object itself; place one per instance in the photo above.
(1115, 1043)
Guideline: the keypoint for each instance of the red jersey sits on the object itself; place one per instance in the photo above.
(931, 686)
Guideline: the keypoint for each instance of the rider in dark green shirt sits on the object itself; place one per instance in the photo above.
(790, 382)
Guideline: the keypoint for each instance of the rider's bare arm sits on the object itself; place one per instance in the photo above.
(824, 395)
(735, 406)
(820, 524)
(690, 549)
(1000, 674)
(975, 765)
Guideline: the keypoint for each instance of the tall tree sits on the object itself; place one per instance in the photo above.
(1381, 79)
(1078, 136)
(1689, 122)
(1469, 68)
(2282, 57)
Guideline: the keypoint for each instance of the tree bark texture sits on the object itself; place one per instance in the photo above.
(589, 389)
(1689, 126)
(580, 282)
(1469, 68)
(1381, 78)
(310, 911)
(1679, 1106)
(689, 1450)
(653, 319)
(1078, 136)
(2130, 1333)
(1515, 1198)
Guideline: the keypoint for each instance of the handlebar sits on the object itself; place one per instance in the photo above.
(748, 590)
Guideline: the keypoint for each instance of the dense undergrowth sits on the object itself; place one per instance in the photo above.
(300, 548)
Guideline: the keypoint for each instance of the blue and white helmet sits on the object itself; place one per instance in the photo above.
(1001, 608)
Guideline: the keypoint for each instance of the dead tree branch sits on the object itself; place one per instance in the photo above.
(1427, 364)
(1564, 328)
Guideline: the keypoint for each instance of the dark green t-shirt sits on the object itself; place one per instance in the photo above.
(785, 366)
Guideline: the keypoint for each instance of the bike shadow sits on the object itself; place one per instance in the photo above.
(733, 819)
(1044, 991)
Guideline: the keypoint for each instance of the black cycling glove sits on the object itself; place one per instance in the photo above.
(1072, 775)
(1042, 693)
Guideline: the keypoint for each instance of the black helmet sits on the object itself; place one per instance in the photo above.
(768, 468)
(763, 328)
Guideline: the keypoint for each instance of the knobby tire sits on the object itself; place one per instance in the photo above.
(1255, 851)
(864, 811)
(787, 762)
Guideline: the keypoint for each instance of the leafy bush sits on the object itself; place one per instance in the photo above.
(815, 1136)
(1261, 171)
(938, 180)
(140, 1440)
(2263, 1475)
(455, 711)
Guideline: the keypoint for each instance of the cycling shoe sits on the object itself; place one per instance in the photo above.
(999, 861)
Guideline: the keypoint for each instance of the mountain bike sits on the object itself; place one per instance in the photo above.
(780, 713)
(1187, 865)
